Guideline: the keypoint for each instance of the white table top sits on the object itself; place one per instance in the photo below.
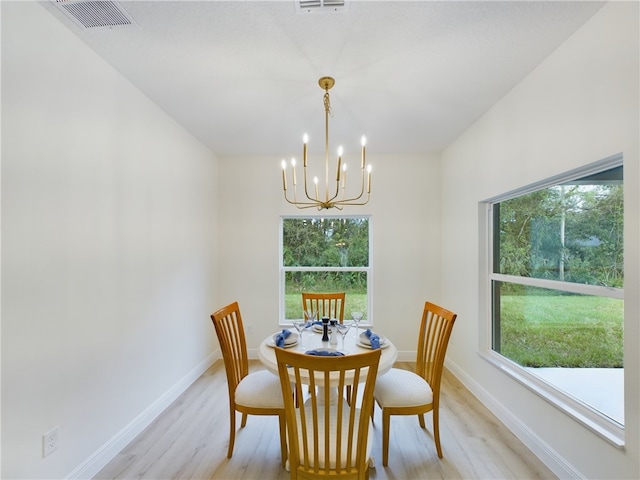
(313, 340)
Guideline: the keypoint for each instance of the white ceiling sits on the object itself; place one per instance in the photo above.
(242, 75)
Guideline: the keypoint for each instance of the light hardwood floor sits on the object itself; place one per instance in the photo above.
(189, 441)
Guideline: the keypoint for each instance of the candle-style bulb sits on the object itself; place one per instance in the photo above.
(293, 170)
(305, 139)
(284, 175)
(363, 140)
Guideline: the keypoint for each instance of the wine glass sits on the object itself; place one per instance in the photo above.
(309, 317)
(343, 329)
(300, 325)
(357, 316)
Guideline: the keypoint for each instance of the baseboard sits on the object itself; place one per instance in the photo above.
(101, 457)
(533, 442)
(406, 356)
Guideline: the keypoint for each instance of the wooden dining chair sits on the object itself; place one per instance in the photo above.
(401, 392)
(326, 304)
(256, 393)
(328, 439)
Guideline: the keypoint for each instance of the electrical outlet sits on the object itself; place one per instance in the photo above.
(50, 441)
(249, 329)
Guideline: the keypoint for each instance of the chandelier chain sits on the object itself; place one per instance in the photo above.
(327, 104)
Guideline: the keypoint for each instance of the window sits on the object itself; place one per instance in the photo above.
(555, 286)
(329, 254)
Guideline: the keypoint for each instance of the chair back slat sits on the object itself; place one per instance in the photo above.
(433, 339)
(326, 304)
(230, 331)
(328, 436)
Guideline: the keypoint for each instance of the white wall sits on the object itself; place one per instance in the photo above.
(405, 210)
(108, 251)
(580, 105)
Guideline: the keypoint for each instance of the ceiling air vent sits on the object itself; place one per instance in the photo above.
(320, 6)
(95, 13)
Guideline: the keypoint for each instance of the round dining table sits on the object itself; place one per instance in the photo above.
(312, 340)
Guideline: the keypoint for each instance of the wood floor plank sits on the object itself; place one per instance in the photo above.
(190, 439)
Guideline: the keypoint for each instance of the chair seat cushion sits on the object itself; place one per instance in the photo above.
(333, 433)
(260, 389)
(402, 388)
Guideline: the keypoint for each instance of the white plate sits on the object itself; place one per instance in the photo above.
(364, 345)
(271, 343)
(292, 339)
(364, 339)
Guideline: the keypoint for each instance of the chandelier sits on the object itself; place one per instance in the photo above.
(330, 198)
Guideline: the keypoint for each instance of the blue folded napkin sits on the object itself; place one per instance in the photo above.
(373, 338)
(318, 323)
(281, 337)
(324, 353)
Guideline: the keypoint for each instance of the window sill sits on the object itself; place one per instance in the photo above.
(595, 421)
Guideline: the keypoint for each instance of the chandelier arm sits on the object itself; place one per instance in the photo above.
(330, 202)
(310, 204)
(337, 191)
(304, 204)
(353, 199)
(352, 202)
(306, 192)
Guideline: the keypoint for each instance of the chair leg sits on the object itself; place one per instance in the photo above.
(421, 420)
(283, 438)
(232, 431)
(386, 423)
(436, 431)
(244, 420)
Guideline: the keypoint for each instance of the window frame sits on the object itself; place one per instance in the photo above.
(282, 321)
(597, 422)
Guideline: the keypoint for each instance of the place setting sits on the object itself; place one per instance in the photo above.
(371, 340)
(284, 339)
